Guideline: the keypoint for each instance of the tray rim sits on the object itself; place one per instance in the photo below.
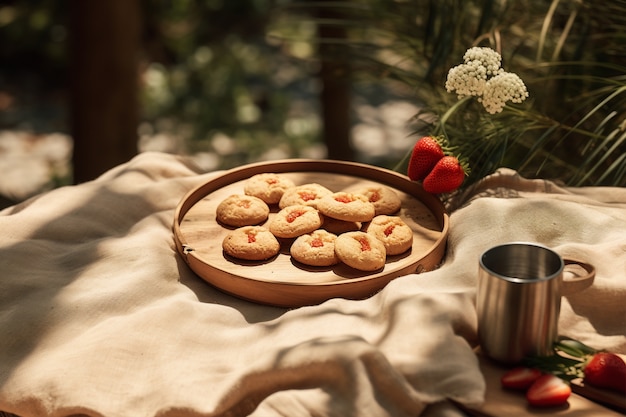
(388, 177)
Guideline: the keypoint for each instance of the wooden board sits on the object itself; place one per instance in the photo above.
(282, 282)
(502, 402)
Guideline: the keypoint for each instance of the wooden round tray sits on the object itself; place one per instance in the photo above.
(282, 282)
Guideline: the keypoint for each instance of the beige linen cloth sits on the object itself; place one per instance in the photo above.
(100, 316)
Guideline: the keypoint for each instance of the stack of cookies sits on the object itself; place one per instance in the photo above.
(320, 226)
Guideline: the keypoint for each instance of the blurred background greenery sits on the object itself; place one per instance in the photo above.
(230, 82)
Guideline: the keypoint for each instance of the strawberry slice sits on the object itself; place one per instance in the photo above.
(548, 391)
(520, 378)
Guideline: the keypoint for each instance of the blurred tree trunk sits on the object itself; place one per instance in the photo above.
(104, 48)
(335, 76)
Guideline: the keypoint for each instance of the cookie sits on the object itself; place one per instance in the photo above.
(393, 232)
(242, 210)
(350, 207)
(315, 249)
(384, 199)
(269, 187)
(294, 221)
(361, 251)
(252, 243)
(305, 194)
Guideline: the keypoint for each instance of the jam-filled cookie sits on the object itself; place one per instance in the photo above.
(384, 199)
(252, 243)
(294, 221)
(305, 194)
(242, 210)
(316, 249)
(269, 187)
(346, 206)
(361, 251)
(393, 232)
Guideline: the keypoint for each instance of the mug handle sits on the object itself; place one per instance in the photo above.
(579, 282)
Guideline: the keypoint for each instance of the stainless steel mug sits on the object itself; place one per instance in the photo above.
(518, 299)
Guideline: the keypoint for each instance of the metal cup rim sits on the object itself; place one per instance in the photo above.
(517, 279)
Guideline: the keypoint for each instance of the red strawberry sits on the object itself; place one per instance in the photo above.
(606, 370)
(426, 152)
(447, 175)
(520, 378)
(547, 391)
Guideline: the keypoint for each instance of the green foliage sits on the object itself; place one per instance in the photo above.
(30, 35)
(212, 74)
(246, 70)
(569, 53)
(208, 72)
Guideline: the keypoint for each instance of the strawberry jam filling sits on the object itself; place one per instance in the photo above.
(251, 237)
(293, 215)
(374, 197)
(389, 230)
(244, 204)
(365, 244)
(317, 243)
(271, 181)
(307, 196)
(344, 199)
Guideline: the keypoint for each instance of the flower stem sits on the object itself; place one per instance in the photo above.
(444, 118)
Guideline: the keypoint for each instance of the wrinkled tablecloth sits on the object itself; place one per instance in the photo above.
(100, 316)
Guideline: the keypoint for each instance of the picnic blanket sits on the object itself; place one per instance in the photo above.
(100, 316)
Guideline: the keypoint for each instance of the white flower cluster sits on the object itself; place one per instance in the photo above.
(480, 75)
(504, 87)
(487, 57)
